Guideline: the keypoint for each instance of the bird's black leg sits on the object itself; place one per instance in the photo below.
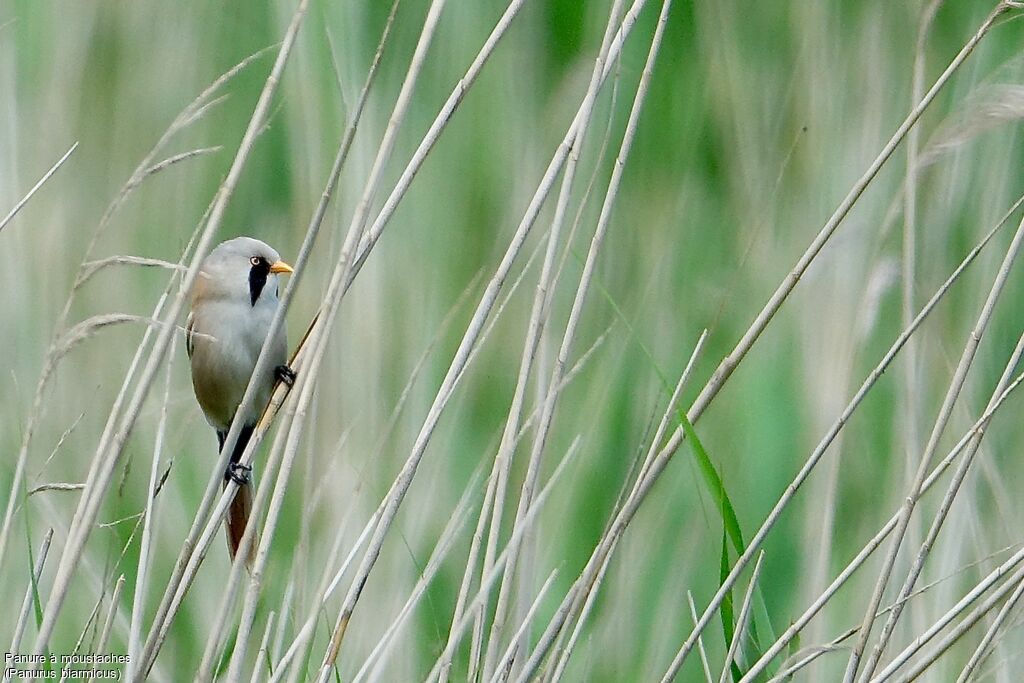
(236, 471)
(285, 374)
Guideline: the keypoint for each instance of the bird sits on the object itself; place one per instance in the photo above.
(233, 301)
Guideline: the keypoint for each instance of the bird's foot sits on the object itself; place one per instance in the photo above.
(285, 374)
(238, 473)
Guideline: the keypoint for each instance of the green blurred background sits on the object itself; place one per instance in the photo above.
(760, 118)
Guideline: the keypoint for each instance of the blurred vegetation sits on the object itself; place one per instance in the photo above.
(760, 118)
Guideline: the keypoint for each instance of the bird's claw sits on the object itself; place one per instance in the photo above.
(285, 374)
(238, 473)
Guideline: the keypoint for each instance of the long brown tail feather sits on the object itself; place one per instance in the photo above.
(238, 517)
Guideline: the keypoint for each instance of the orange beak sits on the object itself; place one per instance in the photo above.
(281, 267)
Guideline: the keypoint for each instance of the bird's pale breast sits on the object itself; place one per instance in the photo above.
(226, 340)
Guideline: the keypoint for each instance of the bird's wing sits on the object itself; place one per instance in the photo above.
(189, 343)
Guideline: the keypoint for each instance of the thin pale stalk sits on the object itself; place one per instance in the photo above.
(487, 580)
(433, 133)
(465, 587)
(294, 424)
(494, 500)
(296, 420)
(456, 521)
(108, 623)
(145, 547)
(187, 116)
(589, 595)
(952, 489)
(909, 402)
(91, 500)
(790, 633)
(729, 364)
(46, 176)
(980, 652)
(810, 654)
(625, 515)
(26, 603)
(262, 653)
(535, 327)
(945, 411)
(160, 345)
(373, 234)
(306, 632)
(994, 598)
(967, 260)
(741, 622)
(568, 338)
(278, 464)
(505, 663)
(404, 479)
(358, 223)
(700, 641)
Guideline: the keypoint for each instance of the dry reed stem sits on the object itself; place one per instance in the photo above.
(700, 641)
(910, 385)
(305, 633)
(624, 515)
(488, 580)
(46, 176)
(58, 348)
(777, 647)
(404, 479)
(470, 567)
(262, 653)
(808, 654)
(235, 576)
(945, 411)
(90, 268)
(493, 502)
(145, 546)
(26, 603)
(504, 667)
(373, 234)
(115, 599)
(456, 521)
(327, 588)
(730, 362)
(535, 327)
(604, 219)
(332, 300)
(741, 621)
(947, 502)
(432, 135)
(585, 599)
(982, 650)
(109, 456)
(910, 378)
(981, 588)
(290, 426)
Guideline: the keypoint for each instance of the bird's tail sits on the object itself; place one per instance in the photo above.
(238, 517)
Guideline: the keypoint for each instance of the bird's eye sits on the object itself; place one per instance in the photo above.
(255, 260)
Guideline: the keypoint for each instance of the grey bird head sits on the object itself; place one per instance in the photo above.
(241, 268)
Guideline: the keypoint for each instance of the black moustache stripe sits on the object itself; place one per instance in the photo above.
(257, 280)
